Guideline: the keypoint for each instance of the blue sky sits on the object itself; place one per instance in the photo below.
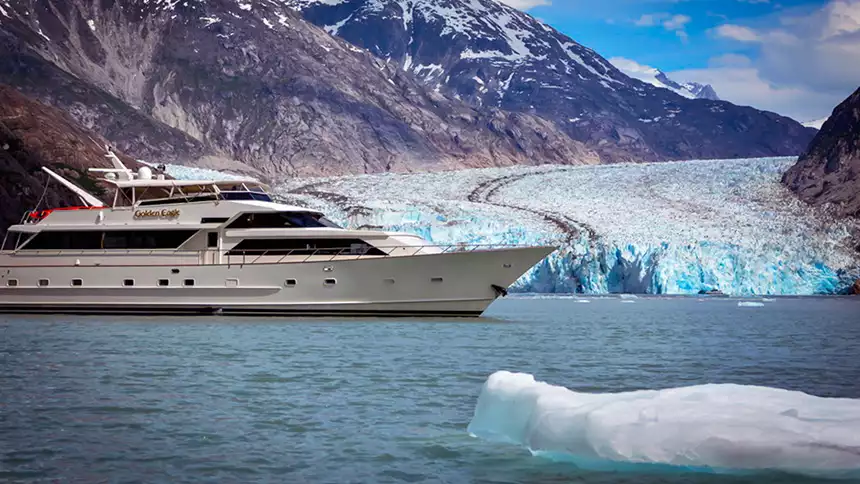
(796, 57)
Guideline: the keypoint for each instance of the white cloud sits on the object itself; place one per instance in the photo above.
(803, 64)
(676, 22)
(671, 23)
(737, 32)
(631, 67)
(526, 4)
(739, 81)
(650, 19)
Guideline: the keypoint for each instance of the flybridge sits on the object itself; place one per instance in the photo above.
(144, 187)
(154, 199)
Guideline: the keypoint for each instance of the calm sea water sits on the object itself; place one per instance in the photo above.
(271, 400)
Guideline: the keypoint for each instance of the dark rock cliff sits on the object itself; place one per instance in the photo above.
(829, 171)
(33, 135)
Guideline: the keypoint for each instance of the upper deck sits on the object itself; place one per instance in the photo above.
(161, 191)
(148, 199)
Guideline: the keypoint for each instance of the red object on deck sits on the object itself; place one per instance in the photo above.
(41, 214)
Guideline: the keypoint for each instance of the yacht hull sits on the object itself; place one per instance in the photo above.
(461, 284)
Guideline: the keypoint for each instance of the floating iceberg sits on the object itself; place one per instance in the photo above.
(750, 304)
(710, 428)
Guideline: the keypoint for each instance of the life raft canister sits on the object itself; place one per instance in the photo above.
(39, 214)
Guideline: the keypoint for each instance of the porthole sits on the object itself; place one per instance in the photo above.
(291, 283)
(330, 282)
(188, 282)
(436, 280)
(174, 271)
(163, 282)
(77, 282)
(12, 283)
(128, 282)
(44, 282)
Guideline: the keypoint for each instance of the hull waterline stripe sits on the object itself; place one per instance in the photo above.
(225, 311)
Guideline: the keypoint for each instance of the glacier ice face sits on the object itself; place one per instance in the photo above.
(662, 228)
(182, 172)
(708, 427)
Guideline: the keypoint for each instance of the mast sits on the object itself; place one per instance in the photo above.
(86, 198)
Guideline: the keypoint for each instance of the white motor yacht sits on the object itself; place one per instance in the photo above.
(167, 246)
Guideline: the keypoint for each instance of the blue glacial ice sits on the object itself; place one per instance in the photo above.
(711, 428)
(664, 228)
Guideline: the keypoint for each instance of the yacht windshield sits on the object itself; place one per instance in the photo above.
(249, 195)
(281, 220)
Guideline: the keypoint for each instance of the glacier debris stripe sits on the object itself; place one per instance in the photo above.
(712, 428)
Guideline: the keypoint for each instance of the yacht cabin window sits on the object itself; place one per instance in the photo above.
(304, 246)
(112, 239)
(270, 220)
(13, 240)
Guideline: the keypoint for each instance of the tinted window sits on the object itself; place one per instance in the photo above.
(246, 196)
(151, 239)
(49, 240)
(9, 242)
(280, 220)
(119, 239)
(305, 247)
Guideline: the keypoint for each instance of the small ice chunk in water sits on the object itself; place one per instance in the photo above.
(750, 304)
(710, 428)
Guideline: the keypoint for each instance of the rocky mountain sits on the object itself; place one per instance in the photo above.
(656, 77)
(492, 55)
(701, 91)
(33, 135)
(829, 170)
(251, 86)
(690, 90)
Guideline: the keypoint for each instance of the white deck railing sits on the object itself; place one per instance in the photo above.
(272, 256)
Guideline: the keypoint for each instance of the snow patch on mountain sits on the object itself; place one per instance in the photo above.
(656, 77)
(816, 123)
